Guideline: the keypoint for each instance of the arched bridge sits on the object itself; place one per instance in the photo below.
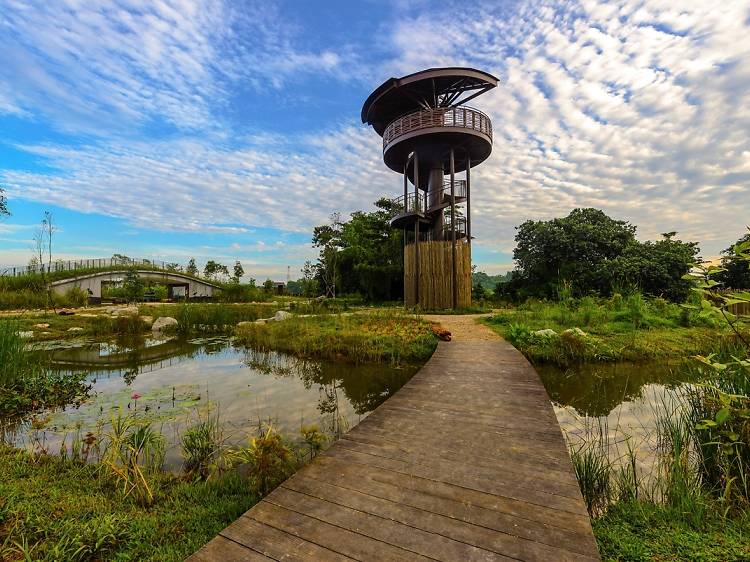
(177, 283)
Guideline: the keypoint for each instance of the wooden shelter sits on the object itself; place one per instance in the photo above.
(431, 136)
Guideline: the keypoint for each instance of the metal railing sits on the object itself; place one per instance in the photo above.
(412, 203)
(463, 117)
(460, 227)
(95, 263)
(444, 193)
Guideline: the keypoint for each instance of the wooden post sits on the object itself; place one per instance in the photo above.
(416, 231)
(468, 199)
(453, 230)
(406, 196)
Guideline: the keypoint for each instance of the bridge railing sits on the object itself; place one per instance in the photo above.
(84, 264)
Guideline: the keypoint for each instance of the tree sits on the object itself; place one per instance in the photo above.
(173, 266)
(191, 268)
(3, 204)
(133, 286)
(239, 271)
(655, 268)
(213, 269)
(268, 286)
(594, 254)
(363, 255)
(308, 283)
(736, 269)
(43, 251)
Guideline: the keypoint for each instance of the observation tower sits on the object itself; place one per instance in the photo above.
(433, 139)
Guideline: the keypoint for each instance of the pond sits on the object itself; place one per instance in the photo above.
(175, 382)
(622, 400)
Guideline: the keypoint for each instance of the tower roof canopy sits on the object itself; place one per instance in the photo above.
(427, 89)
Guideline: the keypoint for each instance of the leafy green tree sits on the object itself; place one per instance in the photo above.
(572, 249)
(268, 286)
(592, 253)
(213, 269)
(308, 283)
(191, 268)
(735, 269)
(133, 286)
(239, 271)
(363, 255)
(655, 268)
(3, 204)
(173, 266)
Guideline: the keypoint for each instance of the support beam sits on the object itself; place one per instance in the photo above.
(468, 198)
(416, 231)
(454, 282)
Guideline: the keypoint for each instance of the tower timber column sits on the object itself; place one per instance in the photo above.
(433, 138)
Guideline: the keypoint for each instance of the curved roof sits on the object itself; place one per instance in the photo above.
(434, 87)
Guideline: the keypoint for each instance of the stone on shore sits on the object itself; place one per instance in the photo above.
(164, 324)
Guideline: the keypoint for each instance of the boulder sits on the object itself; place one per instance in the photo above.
(576, 331)
(41, 326)
(75, 329)
(281, 315)
(164, 324)
(262, 320)
(126, 311)
(25, 335)
(546, 333)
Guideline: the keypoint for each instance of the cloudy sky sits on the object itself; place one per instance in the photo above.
(169, 129)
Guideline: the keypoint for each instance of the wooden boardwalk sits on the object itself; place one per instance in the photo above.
(465, 462)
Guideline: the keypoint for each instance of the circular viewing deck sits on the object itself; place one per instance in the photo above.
(450, 126)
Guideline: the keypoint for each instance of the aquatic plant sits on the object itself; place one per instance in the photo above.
(132, 451)
(268, 458)
(313, 438)
(203, 449)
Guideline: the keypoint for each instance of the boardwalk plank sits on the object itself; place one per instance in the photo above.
(466, 462)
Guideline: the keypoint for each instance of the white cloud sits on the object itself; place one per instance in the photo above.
(635, 107)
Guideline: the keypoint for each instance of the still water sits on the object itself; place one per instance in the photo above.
(173, 383)
(622, 400)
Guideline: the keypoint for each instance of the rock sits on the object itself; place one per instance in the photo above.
(41, 326)
(65, 312)
(577, 331)
(126, 311)
(25, 335)
(281, 315)
(546, 333)
(262, 320)
(75, 329)
(164, 324)
(244, 323)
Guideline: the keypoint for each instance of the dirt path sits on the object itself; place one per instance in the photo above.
(464, 327)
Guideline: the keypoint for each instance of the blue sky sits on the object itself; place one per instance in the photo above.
(227, 130)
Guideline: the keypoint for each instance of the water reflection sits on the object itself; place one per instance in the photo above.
(172, 382)
(596, 389)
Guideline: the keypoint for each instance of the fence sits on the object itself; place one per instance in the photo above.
(95, 263)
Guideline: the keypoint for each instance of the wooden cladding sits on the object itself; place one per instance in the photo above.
(435, 274)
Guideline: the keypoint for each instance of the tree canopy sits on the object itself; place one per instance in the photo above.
(3, 203)
(736, 268)
(363, 255)
(592, 253)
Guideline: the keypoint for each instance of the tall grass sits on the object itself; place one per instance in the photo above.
(15, 361)
(193, 318)
(383, 336)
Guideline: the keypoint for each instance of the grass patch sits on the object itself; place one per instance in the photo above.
(643, 531)
(380, 336)
(56, 509)
(220, 318)
(627, 328)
